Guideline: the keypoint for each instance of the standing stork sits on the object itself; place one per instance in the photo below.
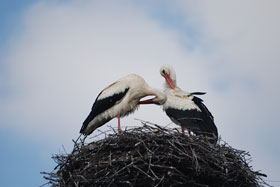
(185, 109)
(119, 99)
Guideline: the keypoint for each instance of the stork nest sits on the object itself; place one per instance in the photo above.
(153, 156)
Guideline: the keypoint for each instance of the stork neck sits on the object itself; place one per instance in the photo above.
(160, 96)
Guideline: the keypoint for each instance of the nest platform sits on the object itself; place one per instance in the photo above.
(153, 156)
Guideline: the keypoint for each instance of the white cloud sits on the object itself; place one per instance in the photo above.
(67, 53)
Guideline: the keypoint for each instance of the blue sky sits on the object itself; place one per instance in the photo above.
(22, 158)
(56, 56)
(10, 12)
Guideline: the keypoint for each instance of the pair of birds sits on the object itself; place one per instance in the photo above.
(123, 97)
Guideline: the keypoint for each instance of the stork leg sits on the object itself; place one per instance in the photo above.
(119, 123)
(183, 129)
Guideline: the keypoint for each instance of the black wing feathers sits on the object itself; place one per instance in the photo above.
(199, 122)
(210, 126)
(101, 105)
(197, 93)
(191, 119)
(202, 107)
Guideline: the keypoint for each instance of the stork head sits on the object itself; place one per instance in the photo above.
(169, 74)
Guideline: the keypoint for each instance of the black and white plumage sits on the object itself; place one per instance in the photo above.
(119, 99)
(186, 109)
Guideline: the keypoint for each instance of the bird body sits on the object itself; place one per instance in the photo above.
(186, 109)
(119, 99)
(179, 99)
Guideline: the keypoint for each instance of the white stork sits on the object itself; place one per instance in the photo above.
(119, 99)
(185, 109)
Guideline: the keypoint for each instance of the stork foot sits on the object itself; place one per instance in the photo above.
(183, 130)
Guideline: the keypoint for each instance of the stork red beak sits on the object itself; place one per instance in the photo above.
(148, 101)
(169, 81)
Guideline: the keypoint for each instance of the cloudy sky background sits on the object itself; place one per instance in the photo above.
(56, 56)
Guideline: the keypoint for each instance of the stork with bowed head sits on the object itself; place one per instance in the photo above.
(186, 109)
(120, 99)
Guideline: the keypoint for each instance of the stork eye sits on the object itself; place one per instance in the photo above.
(163, 71)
